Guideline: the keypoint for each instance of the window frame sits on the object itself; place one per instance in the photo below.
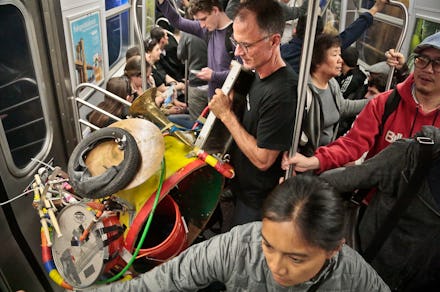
(42, 91)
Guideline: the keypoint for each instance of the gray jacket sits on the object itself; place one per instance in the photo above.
(409, 259)
(313, 117)
(236, 259)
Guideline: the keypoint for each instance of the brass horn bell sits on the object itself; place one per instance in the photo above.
(146, 107)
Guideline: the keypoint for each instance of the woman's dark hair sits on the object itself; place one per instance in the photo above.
(133, 66)
(323, 42)
(196, 6)
(268, 14)
(131, 52)
(119, 86)
(149, 44)
(313, 206)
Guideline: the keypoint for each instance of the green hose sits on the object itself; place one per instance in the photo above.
(144, 233)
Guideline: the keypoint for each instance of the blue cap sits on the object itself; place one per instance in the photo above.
(433, 41)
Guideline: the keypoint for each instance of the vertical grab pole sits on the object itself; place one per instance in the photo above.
(304, 71)
(141, 44)
(401, 38)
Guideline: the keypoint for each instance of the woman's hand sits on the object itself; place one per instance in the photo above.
(300, 162)
(175, 110)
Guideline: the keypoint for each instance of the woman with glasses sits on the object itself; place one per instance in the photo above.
(418, 105)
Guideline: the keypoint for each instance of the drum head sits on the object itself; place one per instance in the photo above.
(79, 263)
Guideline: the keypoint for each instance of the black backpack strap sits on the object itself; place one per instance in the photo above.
(390, 106)
(403, 201)
(228, 45)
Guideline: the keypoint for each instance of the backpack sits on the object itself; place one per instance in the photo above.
(391, 105)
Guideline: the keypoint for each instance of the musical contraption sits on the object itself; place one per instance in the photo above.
(135, 194)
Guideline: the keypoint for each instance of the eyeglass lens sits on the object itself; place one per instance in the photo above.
(423, 61)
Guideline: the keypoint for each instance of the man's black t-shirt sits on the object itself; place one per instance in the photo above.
(158, 76)
(269, 116)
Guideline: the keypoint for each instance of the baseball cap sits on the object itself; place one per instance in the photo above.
(433, 41)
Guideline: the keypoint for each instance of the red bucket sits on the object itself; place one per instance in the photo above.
(167, 235)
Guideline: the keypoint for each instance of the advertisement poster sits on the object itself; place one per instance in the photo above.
(423, 29)
(87, 48)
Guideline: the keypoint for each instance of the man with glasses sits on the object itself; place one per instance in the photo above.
(265, 130)
(419, 105)
(211, 24)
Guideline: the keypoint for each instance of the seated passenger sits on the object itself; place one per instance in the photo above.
(169, 87)
(133, 73)
(408, 258)
(168, 62)
(194, 50)
(299, 246)
(381, 70)
(119, 86)
(376, 85)
(325, 104)
(131, 52)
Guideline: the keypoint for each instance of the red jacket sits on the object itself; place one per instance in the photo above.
(404, 122)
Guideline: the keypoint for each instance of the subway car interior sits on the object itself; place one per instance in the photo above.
(56, 58)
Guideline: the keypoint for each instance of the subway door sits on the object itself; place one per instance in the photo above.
(29, 132)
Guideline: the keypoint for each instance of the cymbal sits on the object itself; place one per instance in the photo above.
(150, 143)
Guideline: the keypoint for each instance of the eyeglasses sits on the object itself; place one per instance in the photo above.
(246, 46)
(422, 62)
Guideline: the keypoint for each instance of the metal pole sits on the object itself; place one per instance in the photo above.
(304, 71)
(141, 44)
(401, 38)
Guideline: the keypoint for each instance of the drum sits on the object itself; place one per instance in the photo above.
(191, 189)
(82, 262)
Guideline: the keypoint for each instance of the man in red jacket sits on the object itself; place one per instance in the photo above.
(419, 105)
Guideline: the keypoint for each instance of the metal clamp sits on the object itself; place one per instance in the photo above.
(425, 140)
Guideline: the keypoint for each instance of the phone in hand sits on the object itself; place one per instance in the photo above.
(195, 72)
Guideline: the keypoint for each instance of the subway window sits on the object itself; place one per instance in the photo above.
(117, 22)
(110, 4)
(22, 119)
(382, 35)
(117, 37)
